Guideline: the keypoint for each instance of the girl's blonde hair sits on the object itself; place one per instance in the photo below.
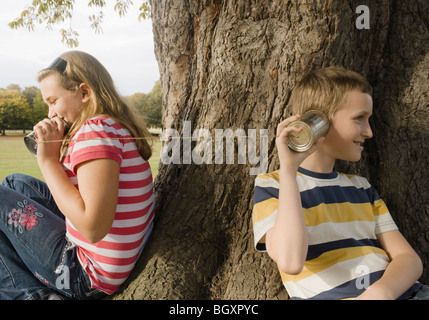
(326, 90)
(104, 100)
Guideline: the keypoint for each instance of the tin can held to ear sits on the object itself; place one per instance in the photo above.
(30, 139)
(314, 124)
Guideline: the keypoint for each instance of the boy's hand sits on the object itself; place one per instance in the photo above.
(290, 159)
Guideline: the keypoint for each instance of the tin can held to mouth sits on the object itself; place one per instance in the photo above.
(30, 139)
(314, 124)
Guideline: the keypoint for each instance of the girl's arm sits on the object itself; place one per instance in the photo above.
(401, 273)
(92, 208)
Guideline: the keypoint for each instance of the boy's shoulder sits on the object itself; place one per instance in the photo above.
(341, 179)
(355, 180)
(274, 175)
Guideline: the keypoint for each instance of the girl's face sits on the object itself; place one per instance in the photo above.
(61, 102)
(350, 128)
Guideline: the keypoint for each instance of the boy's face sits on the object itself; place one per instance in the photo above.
(350, 128)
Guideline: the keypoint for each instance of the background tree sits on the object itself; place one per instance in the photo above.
(30, 94)
(14, 109)
(14, 86)
(54, 12)
(149, 105)
(233, 64)
(40, 109)
(21, 109)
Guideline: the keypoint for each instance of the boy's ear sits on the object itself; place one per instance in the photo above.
(85, 91)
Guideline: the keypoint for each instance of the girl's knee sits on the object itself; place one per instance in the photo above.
(16, 181)
(8, 181)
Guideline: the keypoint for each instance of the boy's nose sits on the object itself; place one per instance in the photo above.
(367, 132)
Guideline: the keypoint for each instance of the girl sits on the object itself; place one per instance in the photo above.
(81, 232)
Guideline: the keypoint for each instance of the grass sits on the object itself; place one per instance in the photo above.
(14, 157)
(156, 156)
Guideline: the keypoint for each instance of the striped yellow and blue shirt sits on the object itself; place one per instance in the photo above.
(343, 215)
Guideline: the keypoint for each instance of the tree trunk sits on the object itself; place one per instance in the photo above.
(233, 64)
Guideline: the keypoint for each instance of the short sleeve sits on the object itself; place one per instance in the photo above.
(383, 220)
(265, 207)
(96, 139)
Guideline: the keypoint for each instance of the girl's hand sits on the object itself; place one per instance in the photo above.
(289, 158)
(49, 134)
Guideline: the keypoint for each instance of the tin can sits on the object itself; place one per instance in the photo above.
(314, 124)
(30, 139)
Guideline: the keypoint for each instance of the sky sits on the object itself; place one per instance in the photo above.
(125, 47)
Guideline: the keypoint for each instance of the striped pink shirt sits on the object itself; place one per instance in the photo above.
(110, 261)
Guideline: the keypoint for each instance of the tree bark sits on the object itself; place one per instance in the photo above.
(233, 64)
(401, 121)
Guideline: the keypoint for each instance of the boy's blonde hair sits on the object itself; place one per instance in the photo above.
(326, 90)
(104, 100)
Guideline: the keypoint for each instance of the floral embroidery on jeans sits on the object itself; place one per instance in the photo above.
(30, 209)
(14, 217)
(27, 220)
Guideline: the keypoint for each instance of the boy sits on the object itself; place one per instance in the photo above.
(330, 234)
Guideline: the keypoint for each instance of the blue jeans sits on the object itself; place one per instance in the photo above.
(422, 294)
(36, 259)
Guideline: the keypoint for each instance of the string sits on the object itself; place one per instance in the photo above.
(143, 138)
(98, 138)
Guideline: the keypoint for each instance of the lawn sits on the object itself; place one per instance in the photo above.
(14, 157)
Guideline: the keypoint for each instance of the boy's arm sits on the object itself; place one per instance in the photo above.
(401, 273)
(287, 242)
